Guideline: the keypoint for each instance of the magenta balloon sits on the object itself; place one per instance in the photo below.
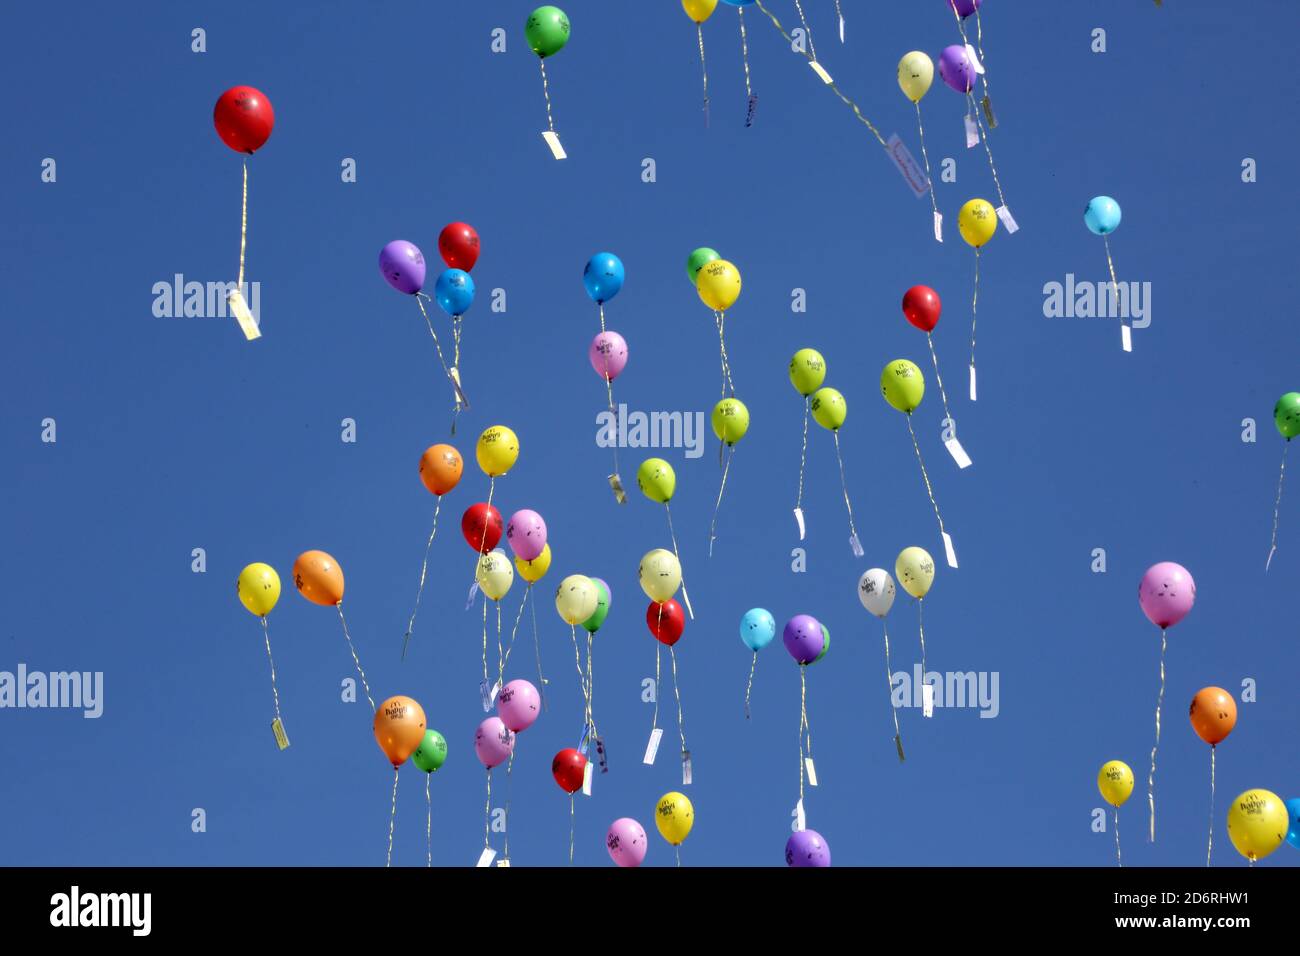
(493, 742)
(626, 842)
(608, 355)
(526, 532)
(518, 705)
(1167, 593)
(965, 8)
(956, 69)
(804, 638)
(807, 848)
(402, 265)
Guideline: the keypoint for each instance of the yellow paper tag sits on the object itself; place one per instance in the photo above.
(239, 309)
(553, 141)
(281, 738)
(820, 71)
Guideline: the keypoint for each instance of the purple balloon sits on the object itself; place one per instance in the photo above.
(526, 532)
(608, 355)
(956, 69)
(626, 842)
(493, 742)
(807, 848)
(1167, 593)
(804, 638)
(401, 263)
(518, 705)
(965, 8)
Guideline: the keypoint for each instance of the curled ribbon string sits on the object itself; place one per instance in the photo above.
(577, 663)
(546, 92)
(844, 484)
(591, 690)
(803, 453)
(806, 29)
(939, 378)
(920, 624)
(840, 13)
(392, 817)
(750, 685)
(803, 722)
(984, 138)
(266, 632)
(487, 812)
(713, 527)
(1151, 778)
(744, 58)
(356, 660)
(428, 820)
(501, 662)
(514, 630)
(974, 306)
(424, 570)
(920, 127)
(681, 727)
(924, 474)
(485, 672)
(699, 30)
(654, 719)
(419, 300)
(1209, 846)
(243, 230)
(1277, 505)
(571, 826)
(537, 647)
(1114, 286)
(510, 767)
(673, 534)
(889, 680)
(1119, 860)
(720, 320)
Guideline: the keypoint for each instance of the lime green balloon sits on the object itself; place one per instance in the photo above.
(547, 31)
(432, 752)
(829, 408)
(826, 643)
(730, 420)
(657, 480)
(902, 385)
(698, 259)
(593, 623)
(1286, 415)
(807, 371)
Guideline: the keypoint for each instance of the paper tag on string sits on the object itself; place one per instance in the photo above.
(239, 309)
(454, 374)
(907, 166)
(972, 132)
(1008, 220)
(987, 106)
(947, 546)
(473, 593)
(841, 29)
(686, 599)
(503, 862)
(1126, 338)
(686, 768)
(938, 226)
(485, 695)
(582, 743)
(798, 517)
(958, 453)
(586, 779)
(820, 71)
(972, 383)
(281, 738)
(616, 484)
(800, 822)
(927, 700)
(974, 59)
(856, 545)
(812, 771)
(898, 744)
(553, 141)
(652, 748)
(496, 689)
(485, 858)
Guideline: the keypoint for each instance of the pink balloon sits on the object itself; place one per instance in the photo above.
(518, 705)
(526, 532)
(626, 842)
(608, 354)
(493, 742)
(1167, 593)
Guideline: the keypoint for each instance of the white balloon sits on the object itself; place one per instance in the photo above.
(876, 591)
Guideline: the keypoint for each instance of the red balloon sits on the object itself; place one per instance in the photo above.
(666, 621)
(244, 118)
(481, 526)
(458, 244)
(568, 769)
(921, 305)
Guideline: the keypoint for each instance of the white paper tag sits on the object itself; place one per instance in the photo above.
(947, 546)
(686, 768)
(800, 821)
(958, 453)
(652, 748)
(927, 700)
(841, 29)
(1126, 337)
(503, 862)
(798, 517)
(496, 689)
(686, 599)
(586, 779)
(938, 226)
(454, 374)
(820, 71)
(907, 165)
(812, 771)
(972, 383)
(972, 132)
(473, 592)
(616, 484)
(484, 695)
(239, 309)
(974, 60)
(553, 141)
(1008, 220)
(856, 545)
(485, 858)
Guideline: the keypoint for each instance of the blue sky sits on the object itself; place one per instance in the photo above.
(176, 433)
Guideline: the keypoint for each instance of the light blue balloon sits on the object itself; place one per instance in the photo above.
(1102, 215)
(454, 291)
(757, 628)
(603, 276)
(1293, 815)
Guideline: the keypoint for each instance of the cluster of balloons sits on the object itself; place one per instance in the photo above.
(829, 410)
(658, 482)
(400, 730)
(603, 278)
(518, 706)
(626, 840)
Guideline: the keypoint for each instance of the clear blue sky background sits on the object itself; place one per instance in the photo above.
(175, 434)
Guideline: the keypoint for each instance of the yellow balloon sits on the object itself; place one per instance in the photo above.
(718, 283)
(660, 575)
(674, 816)
(915, 74)
(903, 385)
(1115, 781)
(977, 222)
(915, 571)
(534, 570)
(258, 587)
(1257, 823)
(495, 575)
(576, 598)
(699, 10)
(497, 451)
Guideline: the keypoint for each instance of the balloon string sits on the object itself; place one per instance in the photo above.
(699, 31)
(654, 719)
(485, 672)
(510, 766)
(847, 102)
(925, 156)
(428, 820)
(939, 378)
(803, 722)
(546, 92)
(514, 630)
(844, 484)
(424, 570)
(803, 452)
(920, 624)
(974, 307)
(501, 661)
(889, 680)
(243, 230)
(979, 45)
(487, 812)
(1119, 860)
(1151, 778)
(577, 664)
(984, 138)
(571, 826)
(806, 29)
(537, 647)
(673, 534)
(720, 320)
(457, 323)
(1114, 286)
(356, 660)
(924, 474)
(1209, 847)
(266, 632)
(681, 727)
(392, 817)
(419, 300)
(609, 394)
(677, 850)
(591, 689)
(744, 58)
(1277, 505)
(482, 550)
(713, 527)
(749, 686)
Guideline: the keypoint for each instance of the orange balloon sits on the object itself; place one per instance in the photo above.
(399, 728)
(1213, 714)
(318, 578)
(440, 468)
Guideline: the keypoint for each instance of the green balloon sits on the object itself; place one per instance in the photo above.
(807, 371)
(657, 480)
(593, 623)
(698, 259)
(547, 31)
(826, 643)
(432, 752)
(902, 385)
(1286, 415)
(730, 420)
(829, 408)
